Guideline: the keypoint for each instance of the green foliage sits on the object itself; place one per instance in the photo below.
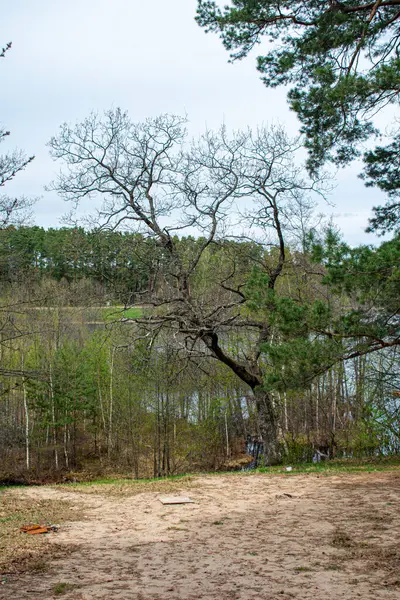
(296, 363)
(300, 347)
(297, 450)
(370, 275)
(341, 61)
(309, 336)
(368, 435)
(382, 168)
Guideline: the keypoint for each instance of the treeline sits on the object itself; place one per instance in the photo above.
(120, 262)
(93, 264)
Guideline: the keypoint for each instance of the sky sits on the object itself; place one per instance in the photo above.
(149, 58)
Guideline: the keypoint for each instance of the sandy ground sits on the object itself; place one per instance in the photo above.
(245, 538)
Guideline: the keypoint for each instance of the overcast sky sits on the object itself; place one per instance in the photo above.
(150, 57)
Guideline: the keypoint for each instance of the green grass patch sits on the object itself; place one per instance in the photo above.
(332, 467)
(116, 313)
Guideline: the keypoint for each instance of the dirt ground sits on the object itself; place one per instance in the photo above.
(246, 537)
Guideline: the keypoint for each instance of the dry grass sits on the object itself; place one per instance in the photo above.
(371, 555)
(385, 558)
(20, 552)
(62, 588)
(341, 539)
(133, 487)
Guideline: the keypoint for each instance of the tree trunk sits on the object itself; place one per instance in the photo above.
(53, 416)
(26, 411)
(111, 406)
(267, 421)
(227, 434)
(66, 443)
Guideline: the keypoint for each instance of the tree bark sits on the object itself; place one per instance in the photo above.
(267, 421)
(266, 413)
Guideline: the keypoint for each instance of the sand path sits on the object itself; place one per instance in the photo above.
(246, 537)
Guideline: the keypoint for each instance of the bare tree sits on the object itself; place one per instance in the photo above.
(12, 210)
(217, 187)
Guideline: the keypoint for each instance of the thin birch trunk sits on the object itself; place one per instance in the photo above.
(66, 444)
(111, 405)
(227, 434)
(53, 415)
(26, 411)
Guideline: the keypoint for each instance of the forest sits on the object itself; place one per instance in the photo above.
(85, 389)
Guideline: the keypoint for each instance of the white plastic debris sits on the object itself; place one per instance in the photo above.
(176, 500)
